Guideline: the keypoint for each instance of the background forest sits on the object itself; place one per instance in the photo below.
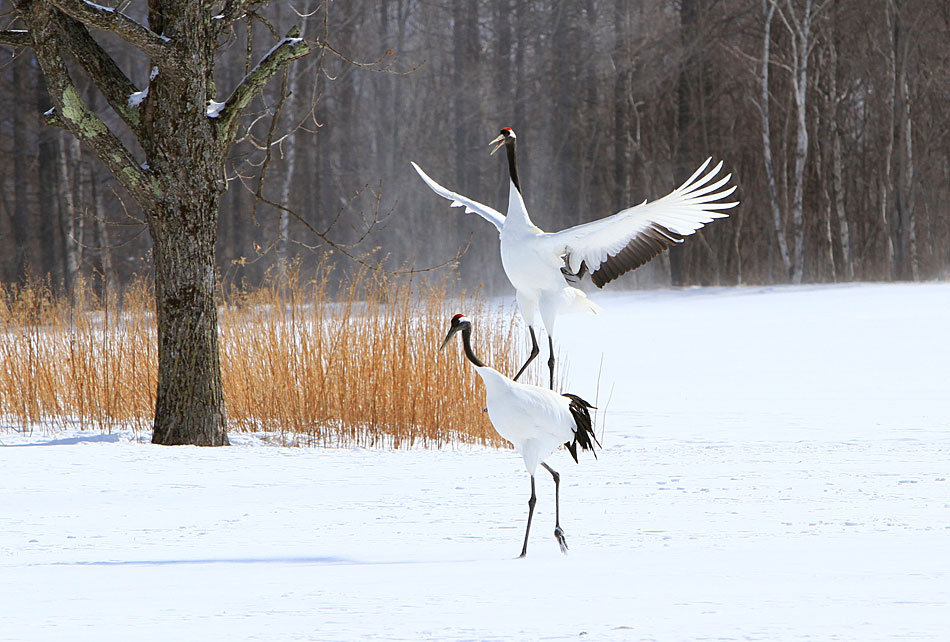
(833, 116)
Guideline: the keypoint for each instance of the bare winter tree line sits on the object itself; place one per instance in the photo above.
(834, 116)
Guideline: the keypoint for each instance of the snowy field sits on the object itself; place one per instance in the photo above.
(776, 466)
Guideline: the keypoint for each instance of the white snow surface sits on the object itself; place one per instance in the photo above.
(775, 466)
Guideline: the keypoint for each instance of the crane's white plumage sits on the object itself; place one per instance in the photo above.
(678, 214)
(542, 266)
(535, 420)
(490, 214)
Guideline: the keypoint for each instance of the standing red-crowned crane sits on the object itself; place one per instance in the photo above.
(534, 419)
(542, 266)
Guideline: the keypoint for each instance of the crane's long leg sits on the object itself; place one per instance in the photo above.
(551, 359)
(531, 503)
(558, 533)
(535, 351)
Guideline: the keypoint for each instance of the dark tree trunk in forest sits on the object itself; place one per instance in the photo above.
(20, 129)
(623, 167)
(465, 56)
(687, 84)
(185, 136)
(903, 225)
(46, 152)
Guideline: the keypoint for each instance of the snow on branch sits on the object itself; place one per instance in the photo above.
(288, 49)
(16, 38)
(106, 18)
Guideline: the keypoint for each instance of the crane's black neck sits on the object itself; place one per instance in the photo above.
(467, 342)
(510, 145)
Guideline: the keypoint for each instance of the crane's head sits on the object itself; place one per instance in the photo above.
(506, 136)
(459, 322)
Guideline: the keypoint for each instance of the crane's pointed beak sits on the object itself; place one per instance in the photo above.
(498, 143)
(451, 334)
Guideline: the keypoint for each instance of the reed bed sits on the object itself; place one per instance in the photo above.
(358, 367)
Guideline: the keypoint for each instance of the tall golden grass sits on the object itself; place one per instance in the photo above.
(359, 367)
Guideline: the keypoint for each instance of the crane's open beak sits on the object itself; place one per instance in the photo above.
(498, 143)
(451, 334)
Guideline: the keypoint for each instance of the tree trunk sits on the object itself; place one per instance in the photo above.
(520, 80)
(46, 169)
(905, 231)
(182, 151)
(802, 42)
(688, 95)
(621, 99)
(837, 164)
(909, 240)
(102, 237)
(189, 407)
(185, 134)
(21, 207)
(890, 223)
(465, 59)
(70, 219)
(768, 12)
(820, 125)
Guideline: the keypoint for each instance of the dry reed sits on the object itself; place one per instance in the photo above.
(360, 367)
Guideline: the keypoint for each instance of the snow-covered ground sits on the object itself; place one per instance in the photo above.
(776, 466)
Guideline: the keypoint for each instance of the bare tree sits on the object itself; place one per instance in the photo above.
(20, 183)
(904, 230)
(182, 135)
(837, 161)
(768, 13)
(70, 220)
(799, 25)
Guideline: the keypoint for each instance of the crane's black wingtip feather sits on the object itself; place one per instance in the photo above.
(584, 432)
(641, 249)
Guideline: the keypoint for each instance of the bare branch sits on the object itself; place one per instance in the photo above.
(231, 12)
(152, 44)
(373, 65)
(71, 111)
(108, 78)
(288, 49)
(344, 249)
(267, 147)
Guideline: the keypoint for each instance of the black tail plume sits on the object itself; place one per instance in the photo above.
(584, 433)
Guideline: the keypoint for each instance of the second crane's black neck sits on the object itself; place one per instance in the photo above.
(510, 145)
(467, 342)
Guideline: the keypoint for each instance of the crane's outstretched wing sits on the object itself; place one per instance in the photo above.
(490, 214)
(628, 239)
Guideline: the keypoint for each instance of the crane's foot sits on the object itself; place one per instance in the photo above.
(559, 534)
